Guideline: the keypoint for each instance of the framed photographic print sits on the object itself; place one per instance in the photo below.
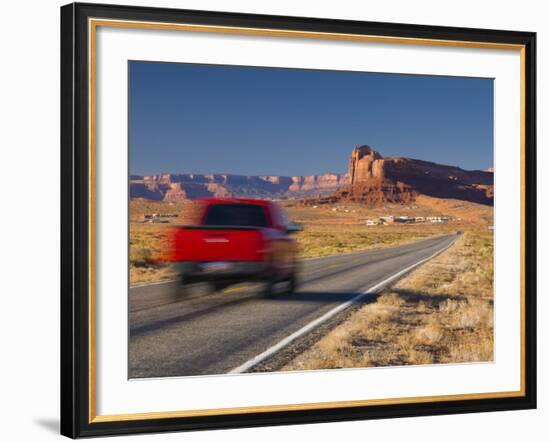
(274, 220)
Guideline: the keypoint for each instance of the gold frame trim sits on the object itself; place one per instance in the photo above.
(93, 24)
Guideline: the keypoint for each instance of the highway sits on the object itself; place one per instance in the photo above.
(205, 333)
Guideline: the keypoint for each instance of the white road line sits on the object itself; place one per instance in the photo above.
(308, 327)
(145, 284)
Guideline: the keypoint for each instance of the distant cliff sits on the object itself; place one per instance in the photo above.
(371, 179)
(403, 178)
(177, 187)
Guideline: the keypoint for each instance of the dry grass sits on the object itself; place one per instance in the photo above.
(335, 229)
(440, 313)
(149, 241)
(326, 231)
(325, 240)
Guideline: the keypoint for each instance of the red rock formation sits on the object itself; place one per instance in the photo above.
(175, 187)
(219, 190)
(365, 164)
(371, 179)
(175, 193)
(374, 192)
(328, 181)
(374, 178)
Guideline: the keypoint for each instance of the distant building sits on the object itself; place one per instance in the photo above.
(158, 217)
(438, 219)
(388, 219)
(404, 220)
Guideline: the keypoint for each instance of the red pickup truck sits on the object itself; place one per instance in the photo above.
(236, 240)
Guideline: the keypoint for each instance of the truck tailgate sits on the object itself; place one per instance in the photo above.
(201, 243)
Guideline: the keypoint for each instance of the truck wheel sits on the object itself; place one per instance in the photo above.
(269, 287)
(218, 286)
(292, 283)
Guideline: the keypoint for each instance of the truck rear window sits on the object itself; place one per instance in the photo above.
(244, 215)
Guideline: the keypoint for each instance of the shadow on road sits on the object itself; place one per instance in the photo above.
(300, 296)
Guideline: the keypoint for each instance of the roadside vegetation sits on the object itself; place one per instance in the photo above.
(328, 230)
(148, 243)
(441, 313)
(324, 240)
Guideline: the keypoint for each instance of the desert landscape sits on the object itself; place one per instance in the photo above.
(377, 203)
(441, 312)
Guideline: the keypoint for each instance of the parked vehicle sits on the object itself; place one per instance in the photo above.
(236, 240)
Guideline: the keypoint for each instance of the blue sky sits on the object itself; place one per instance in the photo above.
(253, 121)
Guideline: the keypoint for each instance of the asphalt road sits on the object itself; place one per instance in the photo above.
(201, 333)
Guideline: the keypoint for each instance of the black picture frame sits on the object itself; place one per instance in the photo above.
(75, 221)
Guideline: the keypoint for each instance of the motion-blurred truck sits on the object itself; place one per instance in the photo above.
(237, 240)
